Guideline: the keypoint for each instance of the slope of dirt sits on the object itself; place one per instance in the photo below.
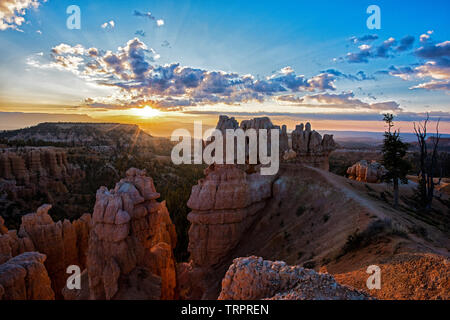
(406, 276)
(320, 220)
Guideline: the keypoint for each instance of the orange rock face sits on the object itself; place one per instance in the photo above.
(253, 278)
(24, 277)
(365, 171)
(131, 241)
(224, 204)
(63, 243)
(26, 164)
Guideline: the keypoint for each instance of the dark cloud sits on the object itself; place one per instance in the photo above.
(405, 44)
(433, 51)
(383, 50)
(359, 76)
(436, 69)
(386, 49)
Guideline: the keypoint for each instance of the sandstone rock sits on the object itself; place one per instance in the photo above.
(310, 147)
(11, 245)
(24, 277)
(63, 243)
(253, 278)
(131, 242)
(227, 123)
(224, 204)
(367, 172)
(284, 140)
(31, 164)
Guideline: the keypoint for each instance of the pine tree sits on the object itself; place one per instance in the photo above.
(394, 151)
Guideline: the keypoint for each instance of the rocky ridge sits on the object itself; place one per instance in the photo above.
(252, 278)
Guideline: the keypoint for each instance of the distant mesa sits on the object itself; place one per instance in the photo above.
(96, 135)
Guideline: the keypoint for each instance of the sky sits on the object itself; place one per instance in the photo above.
(164, 64)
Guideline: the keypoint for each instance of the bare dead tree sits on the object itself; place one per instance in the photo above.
(428, 162)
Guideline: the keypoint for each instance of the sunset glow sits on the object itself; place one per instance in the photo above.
(145, 112)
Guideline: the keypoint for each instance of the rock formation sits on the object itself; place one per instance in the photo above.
(367, 172)
(25, 171)
(64, 243)
(307, 146)
(33, 163)
(253, 278)
(310, 147)
(11, 244)
(224, 204)
(131, 242)
(24, 277)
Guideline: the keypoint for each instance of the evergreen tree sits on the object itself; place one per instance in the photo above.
(394, 151)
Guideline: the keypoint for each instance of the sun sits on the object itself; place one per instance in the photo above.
(146, 112)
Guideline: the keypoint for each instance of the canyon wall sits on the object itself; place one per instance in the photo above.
(25, 171)
(30, 164)
(125, 250)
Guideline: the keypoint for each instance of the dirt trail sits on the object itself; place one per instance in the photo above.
(338, 183)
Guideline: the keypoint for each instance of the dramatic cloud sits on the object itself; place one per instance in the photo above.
(148, 15)
(12, 12)
(344, 100)
(133, 71)
(436, 68)
(435, 51)
(387, 49)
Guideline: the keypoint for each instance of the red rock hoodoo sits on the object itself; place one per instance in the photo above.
(131, 241)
